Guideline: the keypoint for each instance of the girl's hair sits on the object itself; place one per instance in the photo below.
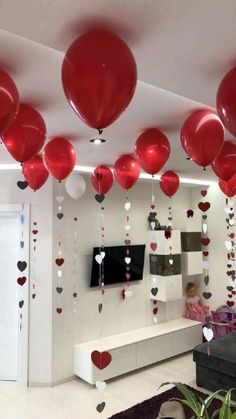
(189, 286)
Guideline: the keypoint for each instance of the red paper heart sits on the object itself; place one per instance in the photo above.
(153, 246)
(154, 302)
(101, 359)
(231, 235)
(204, 192)
(167, 234)
(230, 303)
(204, 206)
(205, 241)
(59, 310)
(155, 310)
(153, 206)
(233, 292)
(21, 280)
(127, 275)
(190, 213)
(205, 254)
(35, 231)
(59, 261)
(230, 295)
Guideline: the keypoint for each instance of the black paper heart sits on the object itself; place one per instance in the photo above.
(229, 265)
(229, 288)
(75, 219)
(34, 240)
(60, 215)
(227, 220)
(169, 218)
(33, 296)
(100, 307)
(127, 242)
(22, 184)
(204, 217)
(101, 406)
(21, 303)
(206, 279)
(231, 216)
(190, 213)
(207, 295)
(21, 265)
(154, 291)
(21, 244)
(99, 198)
(59, 290)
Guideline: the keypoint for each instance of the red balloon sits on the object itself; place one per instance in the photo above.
(228, 187)
(99, 77)
(59, 157)
(202, 137)
(9, 101)
(26, 135)
(102, 179)
(35, 172)
(152, 150)
(226, 99)
(126, 171)
(169, 183)
(224, 165)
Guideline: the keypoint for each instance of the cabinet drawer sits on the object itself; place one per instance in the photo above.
(153, 350)
(185, 340)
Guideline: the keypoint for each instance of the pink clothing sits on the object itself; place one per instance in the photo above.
(196, 310)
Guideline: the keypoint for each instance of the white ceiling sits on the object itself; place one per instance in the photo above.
(182, 49)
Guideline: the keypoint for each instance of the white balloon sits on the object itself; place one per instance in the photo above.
(75, 185)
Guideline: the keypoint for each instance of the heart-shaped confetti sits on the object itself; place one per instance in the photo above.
(153, 246)
(205, 241)
(228, 245)
(167, 234)
(190, 213)
(21, 280)
(21, 303)
(171, 261)
(99, 198)
(127, 206)
(207, 295)
(154, 291)
(204, 192)
(153, 225)
(101, 359)
(208, 333)
(22, 184)
(128, 293)
(100, 407)
(59, 261)
(205, 254)
(100, 307)
(60, 215)
(127, 260)
(205, 264)
(59, 310)
(21, 265)
(59, 290)
(230, 303)
(206, 279)
(204, 228)
(204, 206)
(101, 385)
(155, 311)
(22, 244)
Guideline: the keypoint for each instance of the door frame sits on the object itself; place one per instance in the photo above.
(23, 211)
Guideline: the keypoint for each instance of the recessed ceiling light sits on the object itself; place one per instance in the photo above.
(97, 140)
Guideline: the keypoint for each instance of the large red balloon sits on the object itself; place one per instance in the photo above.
(9, 101)
(169, 183)
(202, 137)
(26, 135)
(226, 99)
(126, 171)
(59, 157)
(102, 179)
(152, 150)
(35, 172)
(228, 187)
(99, 77)
(224, 165)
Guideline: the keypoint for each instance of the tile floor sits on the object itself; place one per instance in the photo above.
(78, 400)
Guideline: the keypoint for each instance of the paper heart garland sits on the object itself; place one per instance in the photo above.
(100, 407)
(155, 311)
(100, 307)
(127, 260)
(101, 359)
(229, 288)
(205, 254)
(22, 244)
(21, 265)
(167, 234)
(22, 184)
(101, 385)
(127, 242)
(231, 223)
(204, 228)
(228, 244)
(171, 261)
(206, 280)
(153, 246)
(60, 215)
(204, 206)
(154, 291)
(205, 264)
(21, 303)
(59, 290)
(205, 241)
(59, 273)
(204, 193)
(207, 295)
(128, 294)
(190, 213)
(59, 310)
(204, 217)
(230, 303)
(127, 227)
(59, 261)
(127, 206)
(99, 198)
(21, 280)
(208, 333)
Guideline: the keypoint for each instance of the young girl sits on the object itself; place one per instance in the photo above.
(196, 310)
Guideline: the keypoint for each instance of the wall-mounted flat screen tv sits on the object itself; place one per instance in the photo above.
(114, 264)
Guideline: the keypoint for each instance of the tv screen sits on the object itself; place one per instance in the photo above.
(115, 266)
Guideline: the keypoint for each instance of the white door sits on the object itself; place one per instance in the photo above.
(9, 249)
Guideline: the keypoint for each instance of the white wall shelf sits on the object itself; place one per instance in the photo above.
(169, 287)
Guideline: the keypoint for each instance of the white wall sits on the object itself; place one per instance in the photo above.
(40, 310)
(117, 315)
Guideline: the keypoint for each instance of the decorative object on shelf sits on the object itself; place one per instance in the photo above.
(154, 223)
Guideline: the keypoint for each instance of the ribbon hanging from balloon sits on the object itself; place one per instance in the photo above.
(126, 171)
(202, 137)
(99, 77)
(9, 101)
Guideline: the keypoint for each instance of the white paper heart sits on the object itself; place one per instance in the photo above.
(98, 259)
(228, 244)
(153, 225)
(101, 385)
(155, 319)
(59, 252)
(127, 227)
(204, 228)
(208, 334)
(59, 208)
(59, 273)
(231, 222)
(205, 264)
(227, 210)
(127, 206)
(128, 294)
(171, 261)
(154, 280)
(103, 254)
(60, 198)
(127, 260)
(231, 203)
(153, 198)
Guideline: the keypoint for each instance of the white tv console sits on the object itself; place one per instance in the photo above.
(137, 348)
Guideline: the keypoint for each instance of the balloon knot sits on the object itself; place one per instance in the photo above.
(100, 131)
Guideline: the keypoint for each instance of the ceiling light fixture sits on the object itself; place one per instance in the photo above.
(97, 141)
